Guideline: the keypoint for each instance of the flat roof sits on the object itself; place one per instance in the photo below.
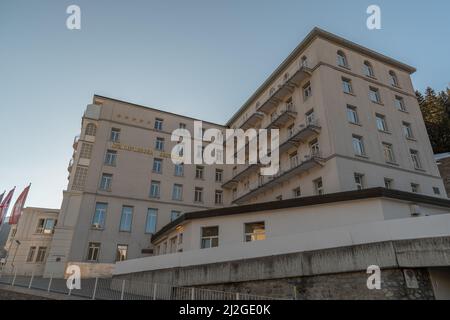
(156, 110)
(304, 202)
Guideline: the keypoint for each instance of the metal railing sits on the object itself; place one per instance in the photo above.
(122, 289)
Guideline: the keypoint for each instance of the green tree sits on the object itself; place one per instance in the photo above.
(436, 115)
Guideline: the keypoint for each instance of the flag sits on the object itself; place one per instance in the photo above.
(5, 204)
(18, 206)
(1, 197)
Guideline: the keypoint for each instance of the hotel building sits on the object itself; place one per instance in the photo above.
(348, 120)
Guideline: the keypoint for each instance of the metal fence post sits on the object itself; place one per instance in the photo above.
(155, 286)
(192, 293)
(237, 296)
(295, 292)
(95, 288)
(31, 280)
(14, 278)
(123, 289)
(50, 282)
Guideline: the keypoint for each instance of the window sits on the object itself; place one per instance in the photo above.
(368, 69)
(150, 224)
(121, 252)
(91, 129)
(179, 170)
(93, 251)
(98, 220)
(342, 59)
(30, 255)
(318, 186)
(199, 172)
(388, 152)
(415, 159)
(115, 135)
(347, 86)
(40, 257)
(304, 62)
(415, 188)
(105, 182)
(374, 95)
(352, 115)
(290, 130)
(254, 231)
(293, 159)
(79, 179)
(177, 192)
(173, 245)
(381, 122)
(159, 124)
(46, 226)
(296, 192)
(182, 125)
(174, 215)
(198, 195)
(180, 238)
(400, 103)
(407, 130)
(310, 117)
(155, 189)
(358, 146)
(86, 150)
(210, 237)
(393, 80)
(110, 157)
(157, 165)
(307, 91)
(159, 144)
(388, 183)
(218, 199)
(359, 181)
(436, 191)
(219, 175)
(126, 219)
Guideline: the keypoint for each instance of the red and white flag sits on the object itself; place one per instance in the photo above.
(5, 204)
(18, 206)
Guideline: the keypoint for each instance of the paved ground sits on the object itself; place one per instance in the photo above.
(16, 293)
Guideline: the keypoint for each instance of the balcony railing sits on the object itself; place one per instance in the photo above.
(69, 168)
(286, 88)
(240, 175)
(300, 134)
(75, 142)
(280, 118)
(309, 162)
(252, 120)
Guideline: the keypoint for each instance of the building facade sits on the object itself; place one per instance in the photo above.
(443, 162)
(348, 120)
(29, 241)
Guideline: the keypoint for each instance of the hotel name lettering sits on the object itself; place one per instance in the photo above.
(151, 152)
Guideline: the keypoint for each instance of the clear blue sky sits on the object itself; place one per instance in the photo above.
(201, 58)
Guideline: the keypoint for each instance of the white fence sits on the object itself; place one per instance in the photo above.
(122, 289)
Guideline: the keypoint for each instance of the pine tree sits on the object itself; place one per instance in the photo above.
(435, 110)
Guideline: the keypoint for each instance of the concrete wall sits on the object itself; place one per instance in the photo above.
(309, 272)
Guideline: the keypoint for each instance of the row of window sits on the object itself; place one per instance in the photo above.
(368, 69)
(209, 238)
(93, 252)
(388, 152)
(40, 256)
(155, 190)
(381, 123)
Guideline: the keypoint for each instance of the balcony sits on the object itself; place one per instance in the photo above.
(300, 134)
(280, 118)
(241, 175)
(75, 142)
(69, 168)
(309, 162)
(285, 89)
(252, 121)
